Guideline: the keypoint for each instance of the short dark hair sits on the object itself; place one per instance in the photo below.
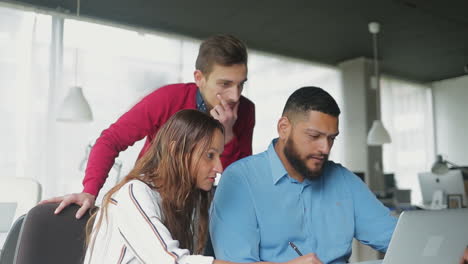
(310, 98)
(225, 50)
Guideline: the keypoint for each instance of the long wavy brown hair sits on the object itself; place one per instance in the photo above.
(169, 167)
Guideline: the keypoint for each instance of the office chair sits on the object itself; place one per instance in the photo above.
(9, 247)
(52, 239)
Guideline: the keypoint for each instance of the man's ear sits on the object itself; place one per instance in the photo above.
(199, 78)
(284, 128)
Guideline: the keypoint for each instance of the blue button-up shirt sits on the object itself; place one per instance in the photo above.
(258, 208)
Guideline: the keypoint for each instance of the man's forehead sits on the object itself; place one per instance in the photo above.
(229, 68)
(315, 121)
(311, 115)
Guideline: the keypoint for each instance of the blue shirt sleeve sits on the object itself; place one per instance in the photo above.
(374, 223)
(233, 225)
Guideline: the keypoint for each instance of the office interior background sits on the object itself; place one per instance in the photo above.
(119, 51)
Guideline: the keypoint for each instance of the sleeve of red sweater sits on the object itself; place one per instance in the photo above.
(141, 120)
(146, 118)
(241, 144)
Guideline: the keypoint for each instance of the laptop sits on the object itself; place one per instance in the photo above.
(7, 212)
(429, 237)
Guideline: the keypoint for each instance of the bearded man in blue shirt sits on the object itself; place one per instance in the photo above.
(293, 193)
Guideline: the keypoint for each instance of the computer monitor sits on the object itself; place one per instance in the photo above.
(389, 179)
(361, 175)
(7, 212)
(449, 183)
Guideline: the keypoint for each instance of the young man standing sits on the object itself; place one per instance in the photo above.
(221, 71)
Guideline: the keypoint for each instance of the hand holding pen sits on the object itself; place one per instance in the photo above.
(310, 258)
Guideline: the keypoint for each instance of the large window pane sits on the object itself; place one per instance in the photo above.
(407, 114)
(24, 73)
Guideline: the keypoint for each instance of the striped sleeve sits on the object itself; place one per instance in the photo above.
(139, 223)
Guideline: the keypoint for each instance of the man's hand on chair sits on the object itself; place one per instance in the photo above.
(85, 200)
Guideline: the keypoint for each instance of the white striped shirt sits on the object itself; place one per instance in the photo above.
(134, 233)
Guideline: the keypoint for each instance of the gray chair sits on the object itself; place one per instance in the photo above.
(52, 239)
(9, 247)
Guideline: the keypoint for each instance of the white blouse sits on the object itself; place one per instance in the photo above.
(133, 231)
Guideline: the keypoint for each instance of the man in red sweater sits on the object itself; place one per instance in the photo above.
(221, 71)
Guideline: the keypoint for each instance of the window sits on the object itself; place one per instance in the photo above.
(407, 114)
(24, 82)
(271, 81)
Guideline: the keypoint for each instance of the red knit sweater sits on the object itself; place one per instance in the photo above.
(145, 119)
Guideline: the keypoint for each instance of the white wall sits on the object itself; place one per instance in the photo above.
(451, 121)
(353, 121)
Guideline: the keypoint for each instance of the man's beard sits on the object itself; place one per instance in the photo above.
(299, 164)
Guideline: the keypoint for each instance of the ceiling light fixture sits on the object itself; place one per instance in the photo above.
(377, 135)
(75, 107)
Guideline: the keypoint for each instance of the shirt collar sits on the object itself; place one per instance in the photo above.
(278, 171)
(201, 106)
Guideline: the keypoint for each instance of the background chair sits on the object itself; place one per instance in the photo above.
(7, 254)
(25, 192)
(52, 239)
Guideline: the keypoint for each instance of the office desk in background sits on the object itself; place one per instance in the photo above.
(3, 237)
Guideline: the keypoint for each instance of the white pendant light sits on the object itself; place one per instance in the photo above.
(75, 107)
(377, 135)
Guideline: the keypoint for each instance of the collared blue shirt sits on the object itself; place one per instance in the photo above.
(258, 208)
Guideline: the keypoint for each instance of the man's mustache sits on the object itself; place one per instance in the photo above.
(325, 157)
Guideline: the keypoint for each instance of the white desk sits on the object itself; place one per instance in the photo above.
(3, 237)
(370, 262)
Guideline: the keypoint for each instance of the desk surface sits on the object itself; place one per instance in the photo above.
(3, 237)
(370, 262)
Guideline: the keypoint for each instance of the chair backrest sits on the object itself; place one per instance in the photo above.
(52, 239)
(9, 247)
(25, 192)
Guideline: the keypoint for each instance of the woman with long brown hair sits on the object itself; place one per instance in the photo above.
(159, 212)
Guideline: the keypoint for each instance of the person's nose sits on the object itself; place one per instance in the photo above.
(233, 94)
(218, 168)
(325, 145)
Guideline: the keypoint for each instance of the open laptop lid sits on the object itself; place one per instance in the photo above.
(7, 212)
(429, 237)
